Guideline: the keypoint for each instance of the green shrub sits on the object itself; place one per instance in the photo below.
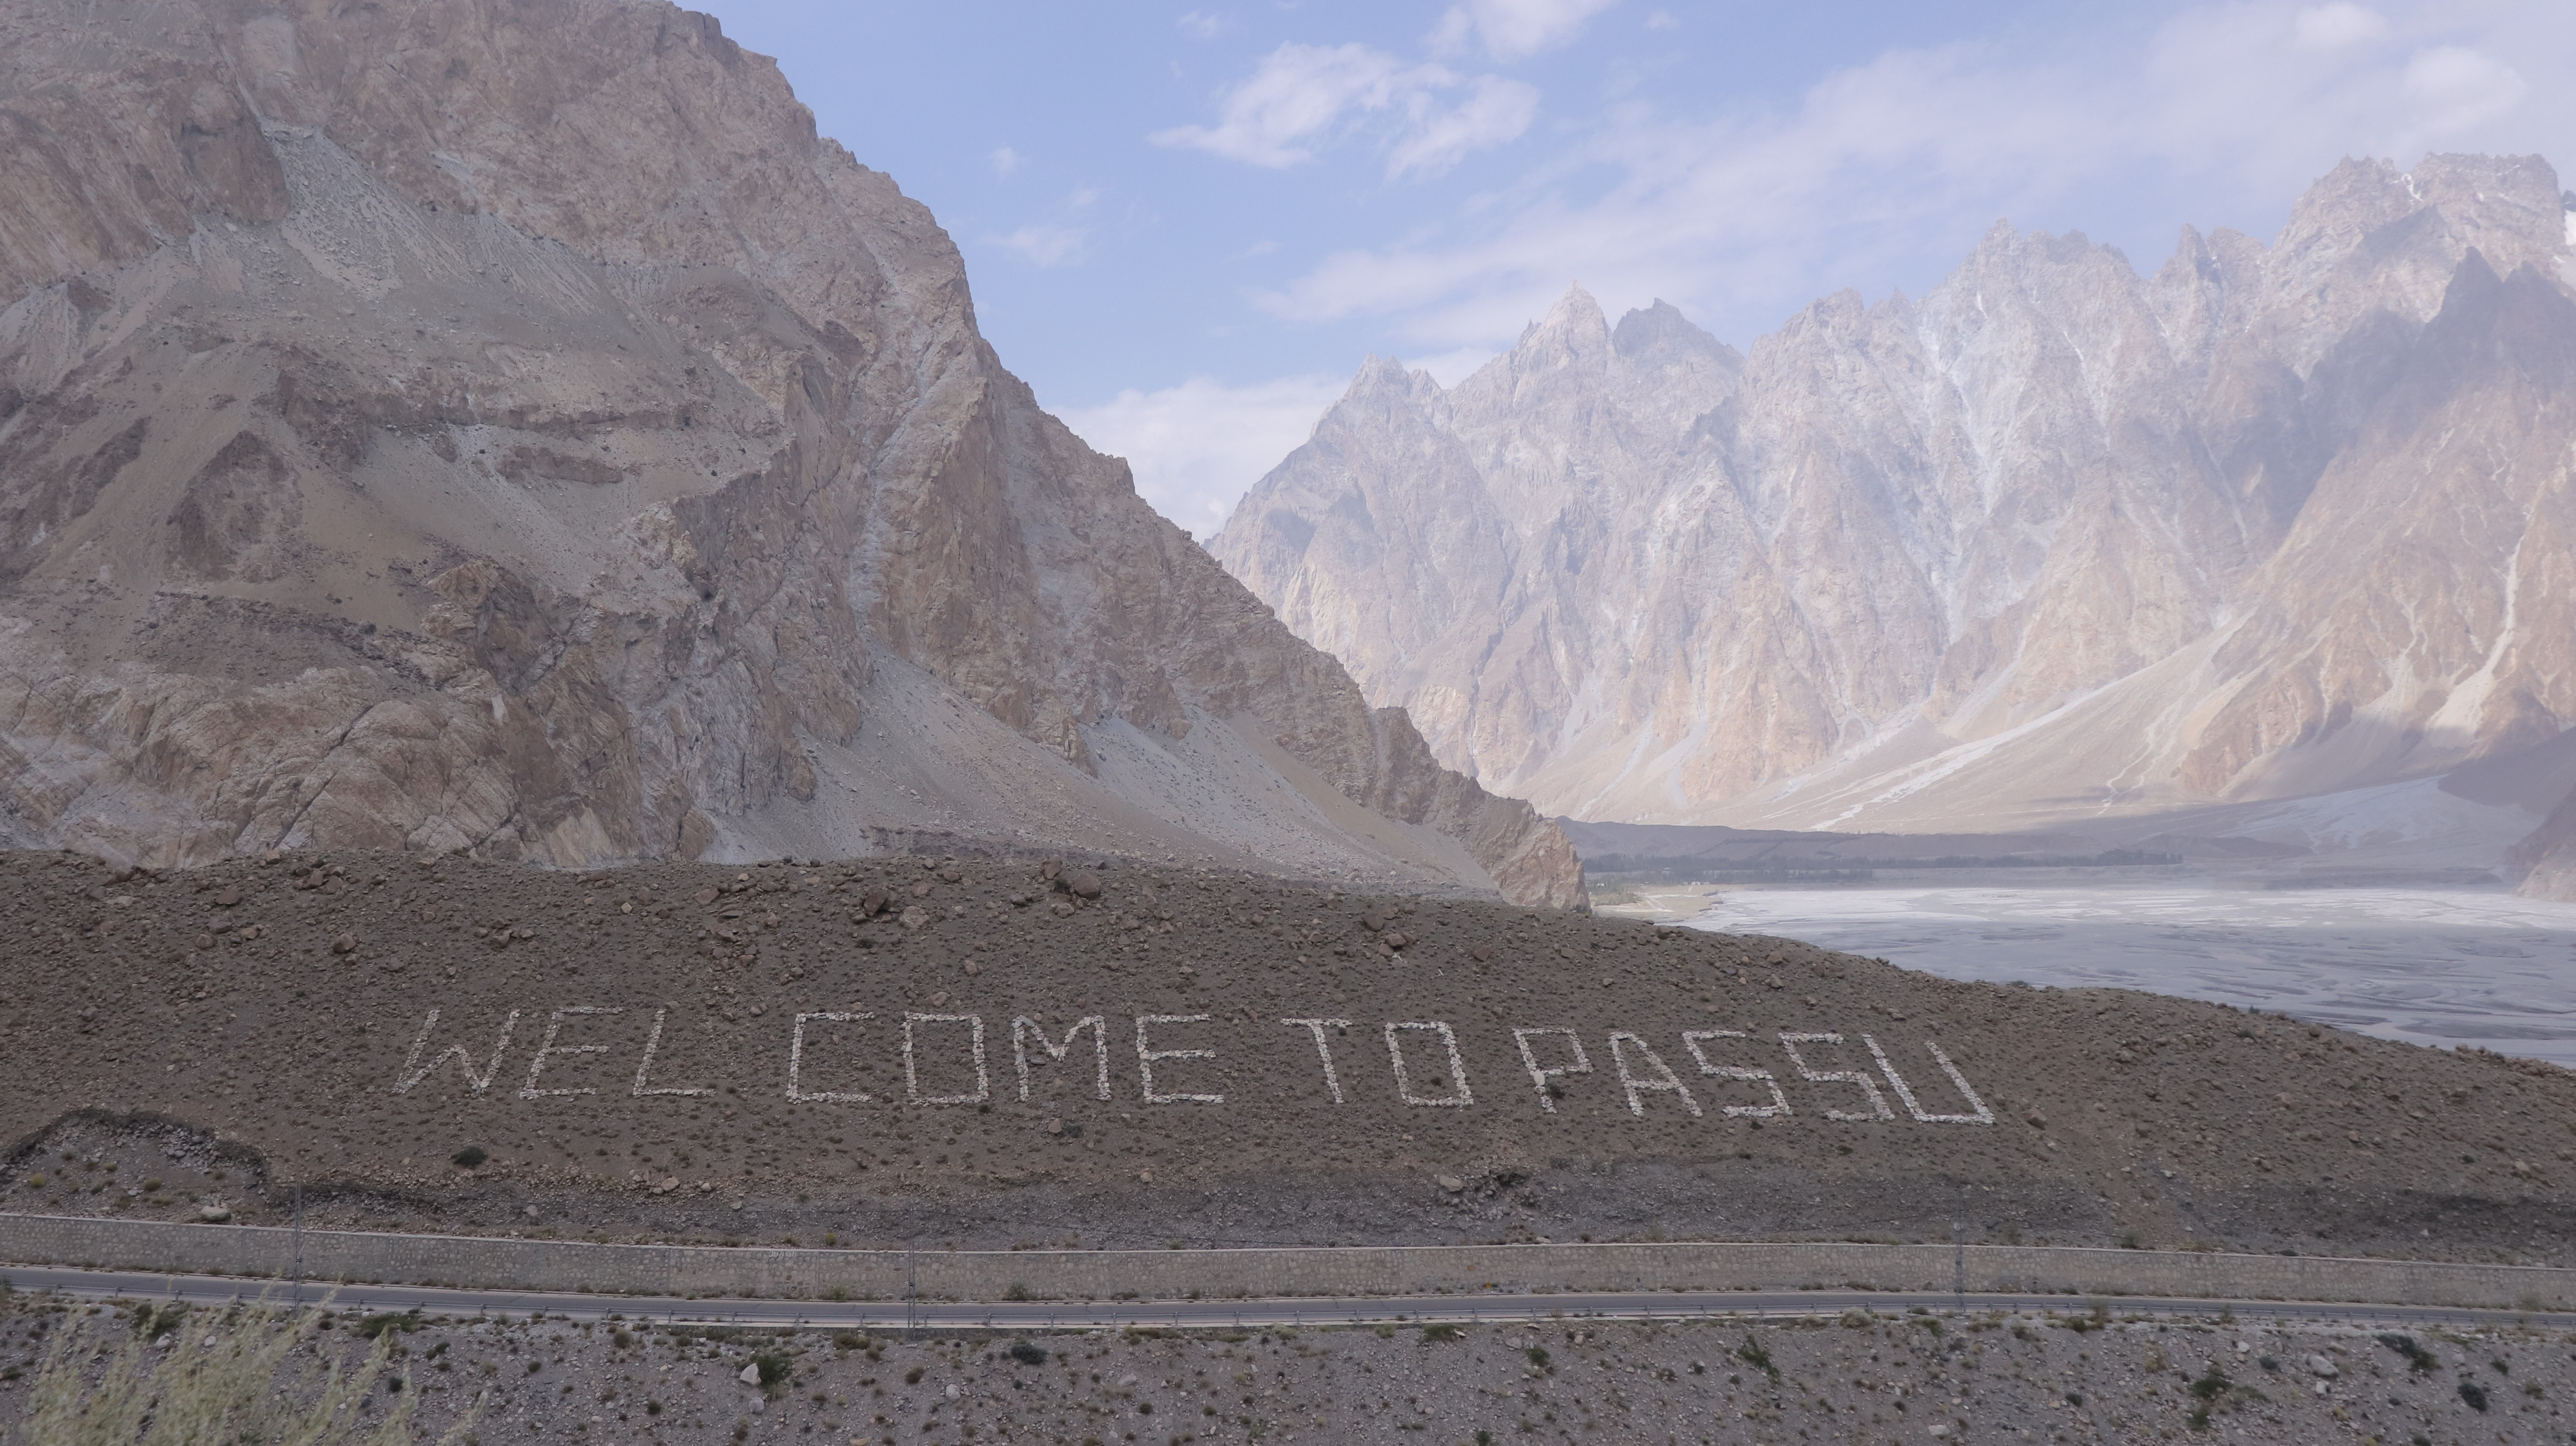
(374, 1326)
(2416, 1356)
(150, 1321)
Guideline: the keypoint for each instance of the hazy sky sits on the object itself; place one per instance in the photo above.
(1187, 227)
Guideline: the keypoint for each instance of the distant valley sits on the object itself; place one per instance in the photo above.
(2276, 529)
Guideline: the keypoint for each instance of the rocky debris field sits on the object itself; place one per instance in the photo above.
(997, 1054)
(2084, 1375)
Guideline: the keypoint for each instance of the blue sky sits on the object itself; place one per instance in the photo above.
(1186, 225)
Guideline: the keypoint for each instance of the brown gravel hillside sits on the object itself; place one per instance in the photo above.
(210, 1039)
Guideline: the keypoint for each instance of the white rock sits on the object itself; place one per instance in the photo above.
(2319, 1365)
(750, 1374)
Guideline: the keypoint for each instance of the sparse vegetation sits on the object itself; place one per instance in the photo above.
(240, 1382)
(377, 1325)
(2416, 1356)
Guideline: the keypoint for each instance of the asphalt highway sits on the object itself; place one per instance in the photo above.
(1201, 1314)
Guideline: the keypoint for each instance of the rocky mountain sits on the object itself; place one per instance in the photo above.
(509, 427)
(2055, 541)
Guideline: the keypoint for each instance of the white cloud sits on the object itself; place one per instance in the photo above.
(1005, 161)
(2332, 27)
(1047, 243)
(1291, 101)
(1495, 111)
(2456, 89)
(1303, 98)
(1511, 29)
(1663, 20)
(2239, 105)
(1199, 26)
(1198, 447)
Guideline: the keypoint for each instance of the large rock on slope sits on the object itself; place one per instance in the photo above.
(510, 426)
(2056, 539)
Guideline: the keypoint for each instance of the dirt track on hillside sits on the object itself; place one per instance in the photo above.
(221, 1036)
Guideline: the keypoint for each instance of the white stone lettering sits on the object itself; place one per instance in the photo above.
(796, 1062)
(1877, 1104)
(1324, 1049)
(1983, 1116)
(653, 1042)
(1146, 1054)
(1662, 1079)
(1099, 1028)
(1779, 1105)
(547, 1048)
(912, 1077)
(1460, 1096)
(1539, 1076)
(1641, 1071)
(414, 1071)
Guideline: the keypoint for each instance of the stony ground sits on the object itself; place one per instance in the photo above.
(449, 1045)
(1857, 1378)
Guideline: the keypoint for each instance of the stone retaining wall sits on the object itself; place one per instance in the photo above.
(789, 1274)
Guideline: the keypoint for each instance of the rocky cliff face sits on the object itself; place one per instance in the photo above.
(2056, 539)
(508, 426)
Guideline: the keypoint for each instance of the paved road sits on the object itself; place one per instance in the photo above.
(1202, 1315)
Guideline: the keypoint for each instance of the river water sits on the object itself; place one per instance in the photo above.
(2431, 966)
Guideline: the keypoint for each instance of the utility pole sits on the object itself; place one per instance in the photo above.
(911, 1287)
(911, 1294)
(1959, 1255)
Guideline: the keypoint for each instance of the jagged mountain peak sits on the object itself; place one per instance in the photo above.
(1575, 332)
(1576, 309)
(1658, 334)
(2056, 538)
